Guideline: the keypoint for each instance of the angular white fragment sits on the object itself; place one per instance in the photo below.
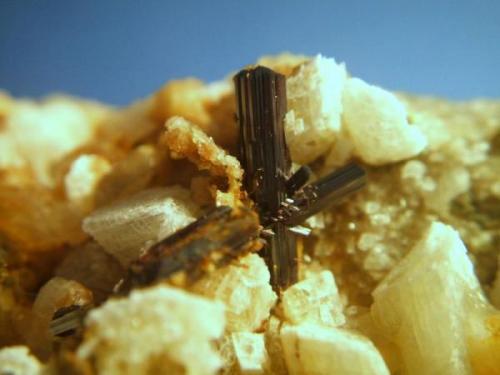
(245, 290)
(376, 123)
(250, 351)
(83, 177)
(158, 328)
(420, 305)
(127, 227)
(315, 349)
(17, 360)
(314, 300)
(314, 98)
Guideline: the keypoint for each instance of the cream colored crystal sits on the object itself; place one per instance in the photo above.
(250, 352)
(17, 360)
(129, 226)
(315, 349)
(421, 304)
(314, 300)
(160, 329)
(245, 290)
(83, 177)
(314, 98)
(376, 123)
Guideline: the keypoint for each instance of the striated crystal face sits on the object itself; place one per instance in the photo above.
(282, 201)
(318, 195)
(401, 278)
(214, 240)
(261, 107)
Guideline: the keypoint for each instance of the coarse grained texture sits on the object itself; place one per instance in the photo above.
(245, 290)
(454, 180)
(314, 300)
(154, 329)
(186, 140)
(427, 159)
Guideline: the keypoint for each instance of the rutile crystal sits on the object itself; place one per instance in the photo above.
(316, 196)
(261, 107)
(214, 240)
(282, 201)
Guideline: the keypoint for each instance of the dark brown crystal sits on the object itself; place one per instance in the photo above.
(214, 240)
(261, 107)
(320, 194)
(298, 179)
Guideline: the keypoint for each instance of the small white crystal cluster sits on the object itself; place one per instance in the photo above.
(160, 328)
(245, 290)
(330, 111)
(313, 339)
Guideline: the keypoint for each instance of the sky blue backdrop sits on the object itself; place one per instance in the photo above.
(120, 50)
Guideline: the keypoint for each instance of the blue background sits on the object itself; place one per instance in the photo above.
(117, 51)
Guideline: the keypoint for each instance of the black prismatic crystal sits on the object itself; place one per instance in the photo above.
(283, 202)
(225, 234)
(298, 179)
(261, 107)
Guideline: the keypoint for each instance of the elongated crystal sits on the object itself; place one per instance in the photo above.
(261, 107)
(68, 320)
(319, 194)
(212, 241)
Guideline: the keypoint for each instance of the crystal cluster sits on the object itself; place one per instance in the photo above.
(282, 200)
